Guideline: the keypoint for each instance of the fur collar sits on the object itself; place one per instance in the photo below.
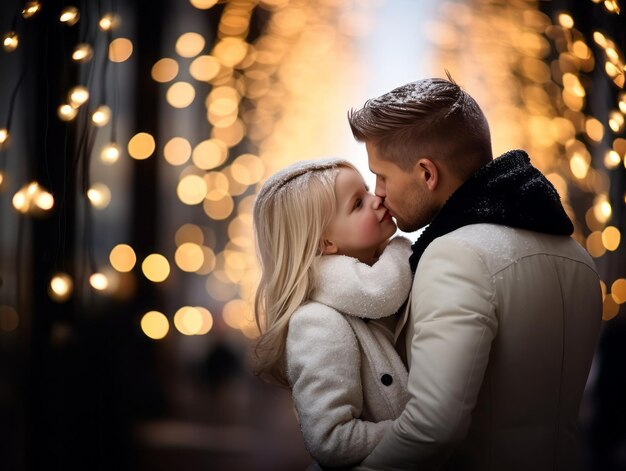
(508, 191)
(360, 290)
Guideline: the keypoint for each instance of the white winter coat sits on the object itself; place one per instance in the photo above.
(502, 328)
(348, 382)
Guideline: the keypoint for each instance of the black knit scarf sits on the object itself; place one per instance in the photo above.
(508, 191)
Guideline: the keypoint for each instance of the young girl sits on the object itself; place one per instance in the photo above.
(331, 282)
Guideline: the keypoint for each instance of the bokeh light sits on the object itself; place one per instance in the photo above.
(190, 44)
(61, 287)
(156, 268)
(164, 70)
(155, 325)
(177, 151)
(180, 94)
(120, 49)
(123, 258)
(141, 146)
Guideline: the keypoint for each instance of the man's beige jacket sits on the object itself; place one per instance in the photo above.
(500, 335)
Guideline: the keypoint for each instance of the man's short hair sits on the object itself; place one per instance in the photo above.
(431, 118)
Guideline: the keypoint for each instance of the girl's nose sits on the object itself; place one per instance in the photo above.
(377, 202)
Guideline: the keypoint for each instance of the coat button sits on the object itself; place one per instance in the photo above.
(386, 379)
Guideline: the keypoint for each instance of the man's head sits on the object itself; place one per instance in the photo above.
(423, 140)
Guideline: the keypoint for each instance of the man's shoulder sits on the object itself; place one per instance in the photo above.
(499, 246)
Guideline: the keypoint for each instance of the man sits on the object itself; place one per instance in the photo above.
(505, 308)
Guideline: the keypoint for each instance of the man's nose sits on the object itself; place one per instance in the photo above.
(380, 189)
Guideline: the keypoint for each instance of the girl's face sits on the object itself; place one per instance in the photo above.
(361, 224)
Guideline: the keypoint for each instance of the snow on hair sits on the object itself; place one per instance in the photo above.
(291, 213)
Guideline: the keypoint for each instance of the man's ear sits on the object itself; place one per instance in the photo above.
(328, 247)
(428, 172)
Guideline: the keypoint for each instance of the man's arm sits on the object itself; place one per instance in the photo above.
(454, 322)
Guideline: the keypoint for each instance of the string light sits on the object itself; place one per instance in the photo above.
(99, 281)
(31, 9)
(4, 135)
(82, 52)
(78, 96)
(32, 198)
(67, 112)
(110, 153)
(10, 41)
(99, 195)
(69, 15)
(61, 287)
(108, 22)
(101, 116)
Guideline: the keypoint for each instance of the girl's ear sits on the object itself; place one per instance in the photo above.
(329, 247)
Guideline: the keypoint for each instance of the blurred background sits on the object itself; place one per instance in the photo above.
(133, 138)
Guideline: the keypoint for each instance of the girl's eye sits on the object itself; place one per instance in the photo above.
(358, 203)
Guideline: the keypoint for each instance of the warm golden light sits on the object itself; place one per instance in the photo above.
(189, 257)
(235, 313)
(190, 44)
(9, 318)
(602, 208)
(61, 286)
(231, 51)
(566, 21)
(108, 22)
(99, 281)
(177, 151)
(218, 185)
(32, 198)
(207, 320)
(191, 189)
(219, 209)
(611, 237)
(616, 121)
(141, 146)
(594, 244)
(69, 15)
(4, 135)
(579, 165)
(82, 52)
(164, 70)
(120, 50)
(204, 68)
(155, 325)
(101, 116)
(594, 129)
(10, 41)
(156, 268)
(31, 9)
(208, 264)
(99, 195)
(67, 112)
(123, 258)
(110, 153)
(78, 96)
(188, 320)
(611, 159)
(189, 233)
(209, 154)
(180, 94)
(618, 291)
(610, 308)
(203, 4)
(44, 200)
(247, 169)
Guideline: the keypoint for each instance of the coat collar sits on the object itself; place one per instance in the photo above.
(507, 191)
(360, 290)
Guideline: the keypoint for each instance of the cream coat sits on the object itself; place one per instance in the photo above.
(348, 382)
(502, 329)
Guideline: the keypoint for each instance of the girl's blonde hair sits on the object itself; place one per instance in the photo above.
(291, 214)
